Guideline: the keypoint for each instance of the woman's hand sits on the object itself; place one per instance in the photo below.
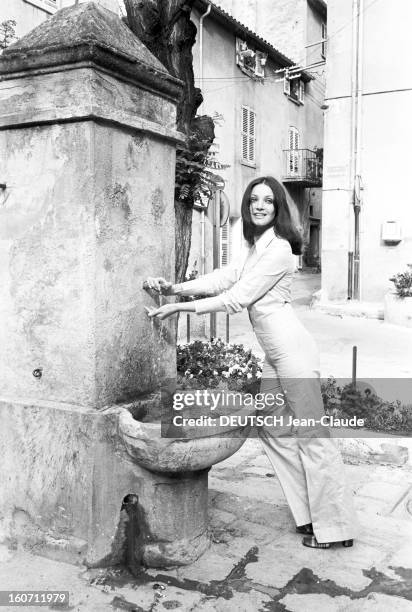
(159, 284)
(167, 310)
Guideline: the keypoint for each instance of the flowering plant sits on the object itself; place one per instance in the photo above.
(403, 283)
(378, 414)
(205, 365)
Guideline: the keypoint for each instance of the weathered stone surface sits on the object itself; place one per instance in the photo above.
(394, 451)
(86, 22)
(241, 602)
(65, 474)
(276, 565)
(85, 94)
(147, 448)
(317, 602)
(78, 237)
(88, 32)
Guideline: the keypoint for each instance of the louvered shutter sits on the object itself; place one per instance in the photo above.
(245, 129)
(248, 135)
(294, 145)
(252, 118)
(225, 244)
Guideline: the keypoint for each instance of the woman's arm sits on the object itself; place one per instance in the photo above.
(270, 268)
(208, 284)
(167, 310)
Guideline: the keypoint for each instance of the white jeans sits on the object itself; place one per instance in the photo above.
(310, 469)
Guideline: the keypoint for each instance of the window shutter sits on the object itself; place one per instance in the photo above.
(252, 117)
(225, 244)
(248, 134)
(286, 86)
(245, 129)
(294, 144)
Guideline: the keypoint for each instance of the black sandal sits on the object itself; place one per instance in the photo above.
(305, 529)
(311, 542)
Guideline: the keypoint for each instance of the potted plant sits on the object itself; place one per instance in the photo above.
(398, 303)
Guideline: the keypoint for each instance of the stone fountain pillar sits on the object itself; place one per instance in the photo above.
(88, 136)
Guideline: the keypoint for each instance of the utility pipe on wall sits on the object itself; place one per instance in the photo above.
(356, 144)
(202, 214)
(358, 158)
(352, 143)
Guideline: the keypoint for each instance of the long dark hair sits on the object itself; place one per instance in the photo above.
(282, 223)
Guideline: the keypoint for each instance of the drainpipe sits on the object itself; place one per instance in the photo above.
(202, 214)
(352, 143)
(358, 159)
(356, 143)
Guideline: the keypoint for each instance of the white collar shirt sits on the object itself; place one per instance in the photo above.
(259, 283)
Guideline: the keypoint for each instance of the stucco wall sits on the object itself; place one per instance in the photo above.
(386, 133)
(282, 23)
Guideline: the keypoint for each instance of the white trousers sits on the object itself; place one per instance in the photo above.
(310, 469)
(311, 474)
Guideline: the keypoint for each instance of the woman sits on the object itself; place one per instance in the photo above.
(305, 459)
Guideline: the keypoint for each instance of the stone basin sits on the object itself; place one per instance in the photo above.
(195, 450)
(173, 502)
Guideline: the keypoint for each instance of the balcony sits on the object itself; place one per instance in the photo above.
(302, 167)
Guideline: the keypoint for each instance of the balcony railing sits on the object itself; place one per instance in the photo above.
(303, 167)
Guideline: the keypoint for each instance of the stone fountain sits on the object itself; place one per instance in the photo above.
(88, 137)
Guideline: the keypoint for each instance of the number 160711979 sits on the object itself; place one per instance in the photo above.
(34, 598)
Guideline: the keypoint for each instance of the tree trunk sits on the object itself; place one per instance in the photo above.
(164, 26)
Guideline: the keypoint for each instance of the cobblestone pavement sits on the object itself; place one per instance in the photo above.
(256, 561)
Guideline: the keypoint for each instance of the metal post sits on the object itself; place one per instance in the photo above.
(227, 329)
(350, 275)
(356, 257)
(188, 328)
(354, 358)
(216, 253)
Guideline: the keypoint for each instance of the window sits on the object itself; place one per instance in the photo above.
(294, 87)
(293, 153)
(324, 37)
(225, 244)
(250, 61)
(248, 136)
